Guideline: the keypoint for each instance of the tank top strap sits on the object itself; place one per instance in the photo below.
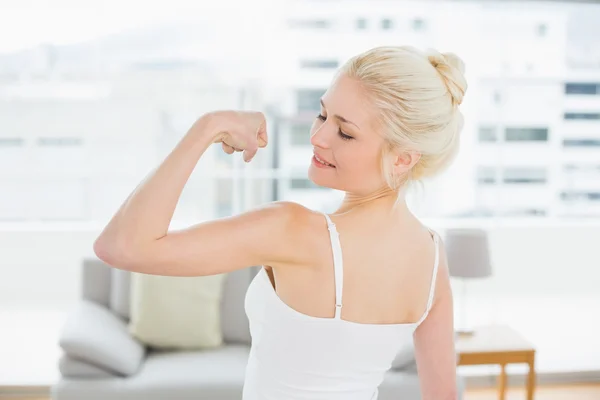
(436, 264)
(338, 265)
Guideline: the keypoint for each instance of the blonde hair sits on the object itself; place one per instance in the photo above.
(417, 94)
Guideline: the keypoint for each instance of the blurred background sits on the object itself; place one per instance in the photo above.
(93, 94)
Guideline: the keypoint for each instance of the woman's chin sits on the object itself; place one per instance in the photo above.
(316, 177)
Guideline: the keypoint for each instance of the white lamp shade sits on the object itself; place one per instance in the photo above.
(468, 253)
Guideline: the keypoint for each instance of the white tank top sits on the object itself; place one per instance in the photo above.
(295, 356)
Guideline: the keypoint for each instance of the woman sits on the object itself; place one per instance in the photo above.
(339, 294)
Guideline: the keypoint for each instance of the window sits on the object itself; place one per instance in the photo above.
(309, 99)
(361, 24)
(580, 196)
(11, 142)
(497, 97)
(486, 175)
(569, 168)
(319, 64)
(517, 175)
(387, 24)
(582, 116)
(59, 141)
(520, 212)
(418, 24)
(310, 23)
(582, 88)
(300, 134)
(487, 134)
(541, 29)
(581, 142)
(526, 134)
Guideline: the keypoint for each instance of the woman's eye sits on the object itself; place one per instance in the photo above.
(344, 136)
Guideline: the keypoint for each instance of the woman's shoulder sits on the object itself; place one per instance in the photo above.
(295, 230)
(296, 213)
(291, 222)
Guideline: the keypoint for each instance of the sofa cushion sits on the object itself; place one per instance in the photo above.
(120, 294)
(94, 334)
(210, 374)
(73, 368)
(177, 313)
(96, 281)
(400, 385)
(234, 321)
(404, 357)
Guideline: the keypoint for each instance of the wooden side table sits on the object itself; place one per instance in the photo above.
(499, 345)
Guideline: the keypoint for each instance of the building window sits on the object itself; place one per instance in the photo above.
(302, 183)
(542, 30)
(516, 212)
(300, 134)
(582, 88)
(309, 99)
(59, 141)
(487, 134)
(486, 175)
(310, 23)
(11, 142)
(418, 24)
(387, 24)
(581, 142)
(361, 24)
(582, 116)
(528, 175)
(582, 167)
(497, 97)
(580, 196)
(319, 64)
(526, 134)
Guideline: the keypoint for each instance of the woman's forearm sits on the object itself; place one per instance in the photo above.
(146, 214)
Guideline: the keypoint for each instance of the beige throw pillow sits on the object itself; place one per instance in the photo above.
(176, 312)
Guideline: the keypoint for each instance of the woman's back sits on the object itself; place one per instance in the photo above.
(344, 318)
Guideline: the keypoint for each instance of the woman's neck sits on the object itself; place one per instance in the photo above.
(385, 197)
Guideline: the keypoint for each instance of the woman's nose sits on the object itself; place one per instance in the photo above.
(320, 138)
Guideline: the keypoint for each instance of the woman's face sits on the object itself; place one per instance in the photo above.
(344, 136)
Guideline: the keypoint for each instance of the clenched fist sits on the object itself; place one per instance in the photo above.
(240, 131)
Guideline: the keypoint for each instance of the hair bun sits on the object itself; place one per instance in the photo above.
(452, 69)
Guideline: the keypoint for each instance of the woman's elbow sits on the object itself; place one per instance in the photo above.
(114, 253)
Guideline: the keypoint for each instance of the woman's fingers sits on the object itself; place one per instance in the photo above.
(247, 135)
(227, 148)
(262, 137)
(250, 152)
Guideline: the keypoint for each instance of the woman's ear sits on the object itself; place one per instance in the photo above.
(404, 161)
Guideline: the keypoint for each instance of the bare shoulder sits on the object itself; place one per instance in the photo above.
(297, 225)
(288, 217)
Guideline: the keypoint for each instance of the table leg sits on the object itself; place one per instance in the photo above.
(502, 382)
(531, 378)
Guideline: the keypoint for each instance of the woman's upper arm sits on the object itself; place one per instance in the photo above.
(434, 342)
(258, 237)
